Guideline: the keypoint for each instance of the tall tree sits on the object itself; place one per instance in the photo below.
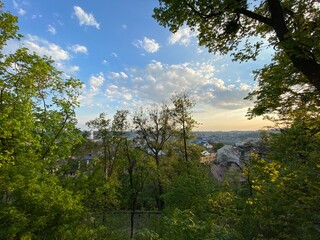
(37, 132)
(111, 135)
(137, 170)
(154, 128)
(102, 125)
(183, 118)
(111, 138)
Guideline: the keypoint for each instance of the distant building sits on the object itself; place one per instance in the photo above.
(207, 145)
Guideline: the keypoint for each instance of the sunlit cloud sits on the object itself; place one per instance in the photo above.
(84, 18)
(183, 36)
(118, 75)
(95, 83)
(158, 81)
(149, 45)
(77, 48)
(44, 47)
(116, 93)
(91, 90)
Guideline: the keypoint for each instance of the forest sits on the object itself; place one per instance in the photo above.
(140, 176)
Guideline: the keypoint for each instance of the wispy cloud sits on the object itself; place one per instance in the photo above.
(18, 8)
(149, 45)
(84, 18)
(77, 48)
(114, 55)
(51, 30)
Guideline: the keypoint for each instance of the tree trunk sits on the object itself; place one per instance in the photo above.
(133, 211)
(300, 57)
(159, 201)
(185, 141)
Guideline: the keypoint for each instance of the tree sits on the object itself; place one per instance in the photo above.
(282, 90)
(290, 26)
(183, 118)
(154, 128)
(111, 134)
(102, 125)
(103, 178)
(137, 171)
(37, 133)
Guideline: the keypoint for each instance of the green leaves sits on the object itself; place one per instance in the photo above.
(37, 133)
(8, 27)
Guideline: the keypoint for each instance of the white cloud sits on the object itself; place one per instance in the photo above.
(52, 30)
(67, 69)
(127, 96)
(44, 47)
(84, 18)
(104, 62)
(118, 75)
(19, 9)
(74, 69)
(244, 87)
(183, 36)
(79, 49)
(21, 12)
(149, 45)
(95, 82)
(34, 16)
(115, 93)
(157, 82)
(200, 50)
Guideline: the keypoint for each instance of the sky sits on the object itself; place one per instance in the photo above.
(126, 60)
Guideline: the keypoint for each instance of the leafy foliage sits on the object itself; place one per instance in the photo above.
(37, 119)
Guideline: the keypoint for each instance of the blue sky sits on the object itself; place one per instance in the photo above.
(126, 60)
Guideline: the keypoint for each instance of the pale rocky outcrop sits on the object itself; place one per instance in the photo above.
(227, 155)
(228, 160)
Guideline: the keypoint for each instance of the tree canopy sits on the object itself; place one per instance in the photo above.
(243, 27)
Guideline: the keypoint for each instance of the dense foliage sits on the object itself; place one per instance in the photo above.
(37, 134)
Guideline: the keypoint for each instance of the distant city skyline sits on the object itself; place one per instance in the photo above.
(126, 60)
